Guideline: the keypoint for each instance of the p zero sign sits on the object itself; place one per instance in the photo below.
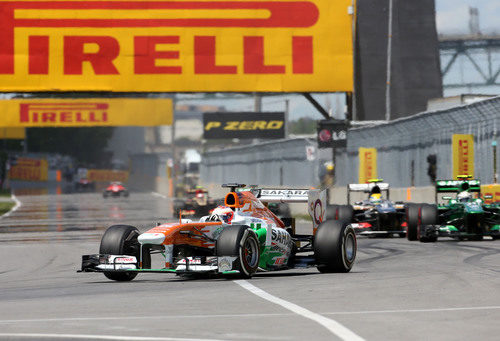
(176, 46)
(56, 112)
(244, 125)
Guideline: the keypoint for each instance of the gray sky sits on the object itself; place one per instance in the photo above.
(452, 16)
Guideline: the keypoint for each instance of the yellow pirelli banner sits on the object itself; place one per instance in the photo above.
(13, 133)
(176, 45)
(463, 155)
(491, 190)
(28, 169)
(107, 175)
(56, 112)
(367, 164)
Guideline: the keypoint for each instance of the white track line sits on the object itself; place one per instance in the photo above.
(156, 194)
(332, 325)
(156, 317)
(16, 206)
(98, 337)
(218, 316)
(411, 310)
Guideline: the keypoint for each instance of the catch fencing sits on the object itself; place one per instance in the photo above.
(279, 162)
(402, 145)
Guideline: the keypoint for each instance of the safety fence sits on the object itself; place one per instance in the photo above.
(404, 152)
(290, 162)
(409, 150)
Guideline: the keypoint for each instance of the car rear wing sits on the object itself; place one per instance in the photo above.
(455, 186)
(315, 198)
(283, 195)
(366, 188)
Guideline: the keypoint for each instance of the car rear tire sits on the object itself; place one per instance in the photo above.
(340, 212)
(120, 240)
(428, 216)
(412, 221)
(335, 246)
(240, 241)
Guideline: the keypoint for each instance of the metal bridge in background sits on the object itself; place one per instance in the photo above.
(470, 61)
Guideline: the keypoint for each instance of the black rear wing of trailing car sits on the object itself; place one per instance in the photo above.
(367, 188)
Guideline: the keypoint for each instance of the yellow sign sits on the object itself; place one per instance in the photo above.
(490, 190)
(463, 155)
(367, 164)
(29, 170)
(174, 46)
(107, 175)
(13, 133)
(56, 112)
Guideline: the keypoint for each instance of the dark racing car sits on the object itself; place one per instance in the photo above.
(465, 216)
(374, 216)
(196, 204)
(84, 185)
(115, 189)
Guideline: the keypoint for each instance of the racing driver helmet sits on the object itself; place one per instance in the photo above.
(222, 213)
(464, 196)
(375, 197)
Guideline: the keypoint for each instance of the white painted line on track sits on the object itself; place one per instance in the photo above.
(156, 194)
(98, 337)
(15, 208)
(156, 317)
(411, 310)
(218, 316)
(332, 325)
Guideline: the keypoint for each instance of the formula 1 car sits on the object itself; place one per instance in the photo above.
(240, 238)
(196, 204)
(115, 189)
(374, 216)
(84, 185)
(462, 217)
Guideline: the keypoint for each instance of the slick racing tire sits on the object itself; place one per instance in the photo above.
(340, 212)
(335, 246)
(428, 216)
(240, 241)
(105, 195)
(120, 240)
(125, 194)
(412, 221)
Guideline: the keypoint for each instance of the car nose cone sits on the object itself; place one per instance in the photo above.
(151, 238)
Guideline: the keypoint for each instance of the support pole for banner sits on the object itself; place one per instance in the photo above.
(287, 108)
(495, 173)
(318, 106)
(257, 102)
(173, 183)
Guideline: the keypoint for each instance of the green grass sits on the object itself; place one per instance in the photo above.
(6, 206)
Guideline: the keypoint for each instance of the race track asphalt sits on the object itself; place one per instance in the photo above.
(397, 290)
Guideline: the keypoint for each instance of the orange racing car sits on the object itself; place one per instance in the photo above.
(240, 237)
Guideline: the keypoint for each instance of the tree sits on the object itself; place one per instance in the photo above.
(86, 145)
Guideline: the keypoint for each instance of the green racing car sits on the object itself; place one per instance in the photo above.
(465, 216)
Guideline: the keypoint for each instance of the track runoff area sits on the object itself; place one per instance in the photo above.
(396, 290)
